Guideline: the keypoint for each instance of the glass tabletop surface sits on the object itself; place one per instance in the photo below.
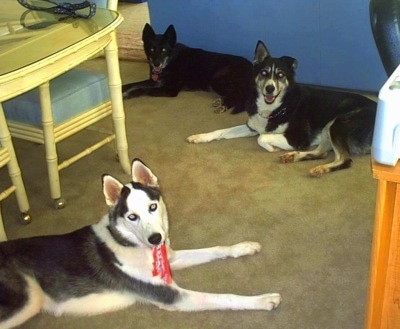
(28, 36)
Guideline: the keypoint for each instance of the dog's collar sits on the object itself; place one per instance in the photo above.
(277, 114)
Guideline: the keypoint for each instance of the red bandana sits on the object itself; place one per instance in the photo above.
(161, 264)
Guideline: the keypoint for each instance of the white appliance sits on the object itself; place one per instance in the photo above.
(386, 139)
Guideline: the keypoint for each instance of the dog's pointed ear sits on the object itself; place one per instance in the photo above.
(290, 62)
(170, 35)
(112, 189)
(148, 33)
(142, 174)
(261, 52)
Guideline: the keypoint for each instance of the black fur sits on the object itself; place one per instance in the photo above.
(174, 67)
(95, 268)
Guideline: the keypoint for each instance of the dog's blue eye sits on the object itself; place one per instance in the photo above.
(264, 73)
(153, 207)
(164, 50)
(133, 217)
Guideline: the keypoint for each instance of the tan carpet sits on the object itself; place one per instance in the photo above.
(315, 233)
(129, 33)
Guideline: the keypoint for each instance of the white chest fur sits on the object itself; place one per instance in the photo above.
(259, 121)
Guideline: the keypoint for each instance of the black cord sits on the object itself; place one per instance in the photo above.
(64, 8)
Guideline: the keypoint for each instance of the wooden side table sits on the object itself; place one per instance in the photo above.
(383, 308)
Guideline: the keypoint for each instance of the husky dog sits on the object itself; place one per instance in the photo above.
(309, 122)
(174, 67)
(124, 258)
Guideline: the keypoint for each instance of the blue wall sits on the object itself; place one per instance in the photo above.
(331, 39)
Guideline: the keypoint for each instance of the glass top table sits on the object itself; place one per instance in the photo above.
(28, 36)
(35, 47)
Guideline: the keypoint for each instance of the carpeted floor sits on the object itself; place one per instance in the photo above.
(316, 233)
(129, 33)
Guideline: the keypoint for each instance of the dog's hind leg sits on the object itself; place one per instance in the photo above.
(219, 105)
(233, 83)
(338, 138)
(16, 307)
(320, 152)
(200, 301)
(186, 258)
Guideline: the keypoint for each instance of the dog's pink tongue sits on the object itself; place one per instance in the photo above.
(161, 263)
(269, 99)
(156, 72)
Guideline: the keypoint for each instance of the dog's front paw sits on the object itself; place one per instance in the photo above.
(288, 157)
(244, 249)
(271, 301)
(199, 138)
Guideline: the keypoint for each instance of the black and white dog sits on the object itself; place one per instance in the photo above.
(124, 258)
(307, 121)
(175, 67)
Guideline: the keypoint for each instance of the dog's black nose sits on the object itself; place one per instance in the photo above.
(269, 89)
(155, 238)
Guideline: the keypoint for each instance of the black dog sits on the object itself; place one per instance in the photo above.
(309, 122)
(174, 67)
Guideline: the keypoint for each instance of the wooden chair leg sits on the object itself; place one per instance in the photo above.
(8, 157)
(13, 167)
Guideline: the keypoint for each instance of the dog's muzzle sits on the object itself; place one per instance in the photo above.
(269, 96)
(157, 69)
(156, 72)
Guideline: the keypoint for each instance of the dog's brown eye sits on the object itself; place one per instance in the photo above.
(280, 75)
(153, 207)
(133, 217)
(264, 73)
(164, 50)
